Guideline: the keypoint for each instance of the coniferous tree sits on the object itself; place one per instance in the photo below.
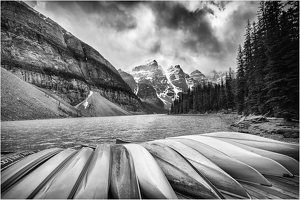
(240, 94)
(172, 108)
(259, 63)
(289, 45)
(248, 67)
(223, 100)
(274, 78)
(195, 95)
(229, 92)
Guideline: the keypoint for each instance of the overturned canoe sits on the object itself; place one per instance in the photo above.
(152, 180)
(95, 183)
(64, 183)
(260, 163)
(288, 149)
(181, 173)
(124, 183)
(288, 162)
(35, 180)
(23, 167)
(232, 166)
(219, 178)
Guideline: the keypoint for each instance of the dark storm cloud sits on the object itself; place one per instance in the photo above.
(176, 16)
(116, 15)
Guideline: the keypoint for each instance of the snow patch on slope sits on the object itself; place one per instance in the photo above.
(86, 103)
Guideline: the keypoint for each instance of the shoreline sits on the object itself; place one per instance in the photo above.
(263, 129)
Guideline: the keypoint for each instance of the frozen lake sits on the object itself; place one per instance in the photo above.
(71, 132)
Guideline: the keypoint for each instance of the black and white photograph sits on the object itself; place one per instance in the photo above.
(149, 99)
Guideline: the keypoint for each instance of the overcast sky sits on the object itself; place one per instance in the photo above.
(194, 34)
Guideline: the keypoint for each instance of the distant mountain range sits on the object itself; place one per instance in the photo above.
(167, 83)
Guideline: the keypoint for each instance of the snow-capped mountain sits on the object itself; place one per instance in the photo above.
(151, 73)
(167, 83)
(177, 78)
(216, 77)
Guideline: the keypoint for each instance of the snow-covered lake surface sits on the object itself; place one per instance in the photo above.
(71, 132)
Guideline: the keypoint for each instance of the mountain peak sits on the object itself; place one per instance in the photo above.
(197, 73)
(151, 62)
(149, 65)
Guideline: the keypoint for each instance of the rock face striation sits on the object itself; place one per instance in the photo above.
(23, 101)
(41, 52)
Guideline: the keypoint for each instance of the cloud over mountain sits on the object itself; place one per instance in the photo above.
(196, 35)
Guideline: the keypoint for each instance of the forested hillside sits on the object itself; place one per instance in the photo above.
(267, 79)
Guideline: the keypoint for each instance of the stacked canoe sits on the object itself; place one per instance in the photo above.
(211, 166)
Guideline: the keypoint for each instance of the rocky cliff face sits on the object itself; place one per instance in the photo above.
(151, 73)
(148, 94)
(41, 52)
(197, 75)
(128, 78)
(178, 78)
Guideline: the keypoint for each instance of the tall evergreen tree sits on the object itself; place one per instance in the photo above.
(240, 81)
(290, 51)
(274, 79)
(223, 100)
(248, 68)
(229, 92)
(259, 63)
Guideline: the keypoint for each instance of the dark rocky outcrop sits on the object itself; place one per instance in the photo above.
(41, 52)
(128, 78)
(148, 95)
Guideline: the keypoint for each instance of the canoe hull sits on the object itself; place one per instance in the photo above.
(181, 173)
(124, 183)
(153, 182)
(95, 183)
